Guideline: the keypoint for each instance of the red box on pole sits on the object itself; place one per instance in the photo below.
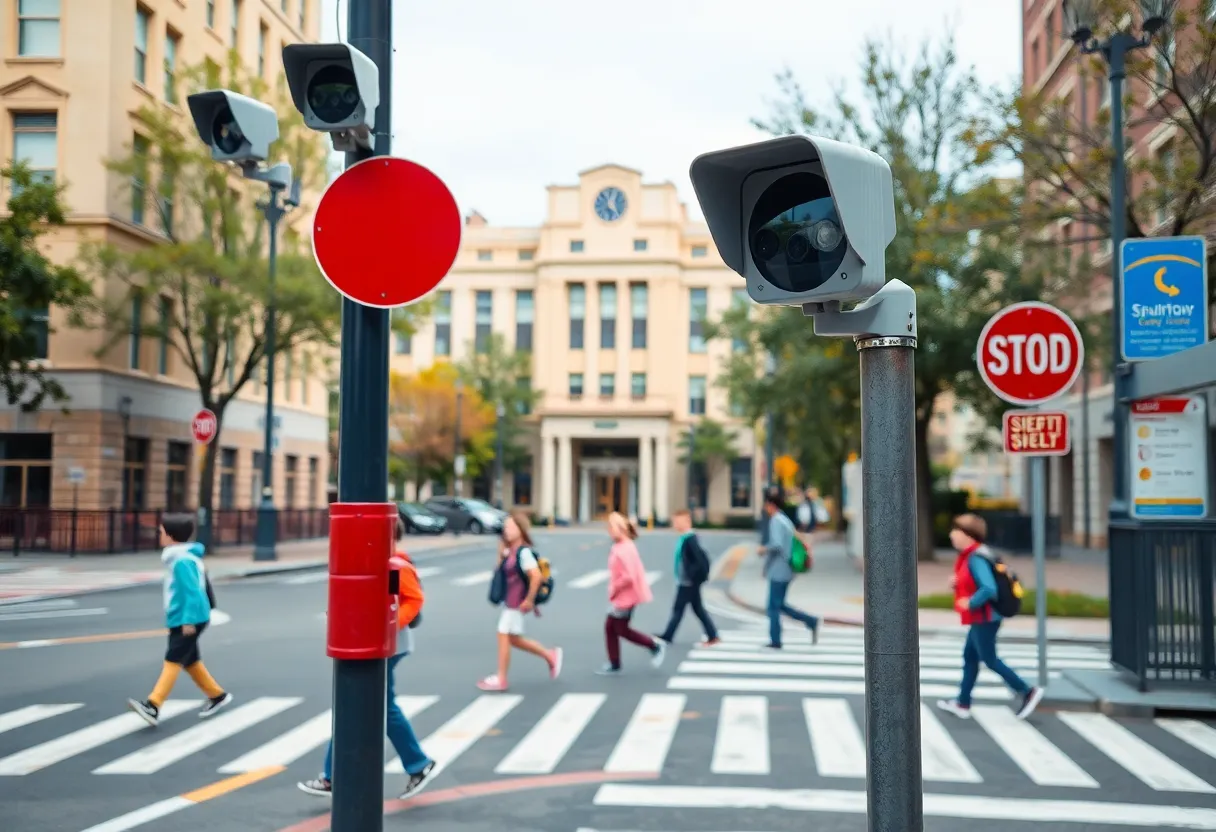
(360, 543)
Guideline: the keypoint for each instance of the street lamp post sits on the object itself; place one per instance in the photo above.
(1081, 21)
(498, 483)
(124, 413)
(770, 369)
(457, 458)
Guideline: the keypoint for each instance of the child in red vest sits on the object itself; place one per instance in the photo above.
(974, 593)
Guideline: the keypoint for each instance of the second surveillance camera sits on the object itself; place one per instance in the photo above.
(237, 128)
(337, 90)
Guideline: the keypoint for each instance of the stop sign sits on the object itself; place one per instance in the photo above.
(204, 426)
(386, 232)
(1029, 353)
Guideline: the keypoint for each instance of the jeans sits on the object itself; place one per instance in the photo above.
(777, 608)
(400, 733)
(981, 647)
(686, 595)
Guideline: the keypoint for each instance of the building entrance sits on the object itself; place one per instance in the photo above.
(611, 494)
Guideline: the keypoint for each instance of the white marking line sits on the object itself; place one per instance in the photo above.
(429, 571)
(29, 616)
(837, 646)
(458, 734)
(59, 749)
(1193, 732)
(941, 760)
(475, 578)
(286, 748)
(33, 713)
(842, 687)
(143, 815)
(836, 739)
(1043, 763)
(741, 746)
(589, 580)
(308, 578)
(176, 748)
(649, 734)
(547, 743)
(1008, 811)
(790, 669)
(653, 578)
(726, 654)
(1140, 759)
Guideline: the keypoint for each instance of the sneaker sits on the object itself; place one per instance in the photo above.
(771, 647)
(951, 706)
(492, 683)
(417, 782)
(146, 711)
(317, 788)
(1029, 702)
(555, 663)
(710, 642)
(214, 704)
(660, 653)
(608, 670)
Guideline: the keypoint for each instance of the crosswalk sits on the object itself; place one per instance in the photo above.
(481, 577)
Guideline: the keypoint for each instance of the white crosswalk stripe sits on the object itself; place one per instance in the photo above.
(648, 737)
(741, 746)
(1146, 763)
(549, 740)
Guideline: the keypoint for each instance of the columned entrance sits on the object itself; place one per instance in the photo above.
(605, 486)
(611, 493)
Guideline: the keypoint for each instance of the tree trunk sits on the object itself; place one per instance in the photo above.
(206, 478)
(924, 489)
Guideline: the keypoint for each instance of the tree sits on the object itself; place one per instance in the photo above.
(30, 285)
(501, 376)
(709, 444)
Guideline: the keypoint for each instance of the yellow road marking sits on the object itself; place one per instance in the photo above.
(93, 639)
(231, 784)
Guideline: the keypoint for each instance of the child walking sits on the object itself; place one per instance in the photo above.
(627, 590)
(187, 613)
(692, 570)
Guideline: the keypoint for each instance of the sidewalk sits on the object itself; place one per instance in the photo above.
(833, 591)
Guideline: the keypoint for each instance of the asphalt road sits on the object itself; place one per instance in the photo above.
(724, 738)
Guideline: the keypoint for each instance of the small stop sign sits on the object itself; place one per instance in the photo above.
(204, 426)
(1029, 353)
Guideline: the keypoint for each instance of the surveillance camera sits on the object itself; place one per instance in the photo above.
(801, 218)
(237, 128)
(336, 88)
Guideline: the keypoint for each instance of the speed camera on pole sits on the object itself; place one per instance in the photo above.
(337, 90)
(806, 221)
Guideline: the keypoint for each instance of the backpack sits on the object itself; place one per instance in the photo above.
(1009, 590)
(800, 559)
(545, 590)
(210, 592)
(697, 560)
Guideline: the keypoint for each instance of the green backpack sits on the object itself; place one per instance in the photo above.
(800, 559)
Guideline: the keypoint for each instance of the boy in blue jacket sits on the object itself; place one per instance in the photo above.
(187, 613)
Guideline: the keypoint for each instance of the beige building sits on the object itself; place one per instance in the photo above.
(73, 76)
(609, 296)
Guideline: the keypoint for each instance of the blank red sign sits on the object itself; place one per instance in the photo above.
(1036, 432)
(1029, 353)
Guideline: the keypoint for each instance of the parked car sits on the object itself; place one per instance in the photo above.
(419, 519)
(468, 515)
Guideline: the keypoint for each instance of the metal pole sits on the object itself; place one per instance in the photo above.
(1116, 53)
(457, 473)
(498, 484)
(892, 636)
(770, 370)
(267, 524)
(1087, 522)
(1038, 527)
(359, 685)
(692, 449)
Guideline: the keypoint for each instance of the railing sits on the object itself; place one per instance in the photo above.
(1162, 588)
(106, 532)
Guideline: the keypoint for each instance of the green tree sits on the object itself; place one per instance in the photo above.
(709, 444)
(30, 286)
(502, 376)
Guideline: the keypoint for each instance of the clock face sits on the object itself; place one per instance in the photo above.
(610, 204)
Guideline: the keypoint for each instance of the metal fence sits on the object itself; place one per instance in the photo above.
(106, 532)
(1162, 587)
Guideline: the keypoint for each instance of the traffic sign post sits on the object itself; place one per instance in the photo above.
(1028, 354)
(204, 426)
(1164, 289)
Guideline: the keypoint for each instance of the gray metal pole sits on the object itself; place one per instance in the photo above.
(359, 685)
(892, 635)
(1087, 483)
(266, 532)
(459, 484)
(498, 484)
(1038, 524)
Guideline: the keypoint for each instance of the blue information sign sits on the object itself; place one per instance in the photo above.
(1165, 296)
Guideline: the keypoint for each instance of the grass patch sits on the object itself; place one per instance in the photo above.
(1062, 604)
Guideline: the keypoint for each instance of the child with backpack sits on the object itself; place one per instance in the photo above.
(418, 766)
(628, 589)
(518, 585)
(981, 585)
(692, 571)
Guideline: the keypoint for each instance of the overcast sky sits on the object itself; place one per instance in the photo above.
(503, 97)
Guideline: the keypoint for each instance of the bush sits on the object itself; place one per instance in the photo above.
(946, 505)
(1059, 603)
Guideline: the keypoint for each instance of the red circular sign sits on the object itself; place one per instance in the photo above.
(1029, 353)
(204, 426)
(386, 232)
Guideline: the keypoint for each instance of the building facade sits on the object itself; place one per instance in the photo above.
(73, 77)
(609, 296)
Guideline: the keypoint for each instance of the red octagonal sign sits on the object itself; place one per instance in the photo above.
(386, 232)
(204, 426)
(1029, 353)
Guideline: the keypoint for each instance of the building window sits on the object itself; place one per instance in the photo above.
(527, 254)
(230, 349)
(607, 316)
(176, 476)
(135, 473)
(524, 314)
(234, 36)
(228, 477)
(283, 6)
(485, 255)
(139, 195)
(166, 318)
(1165, 157)
(483, 320)
(637, 310)
(142, 20)
(36, 142)
(696, 395)
(1167, 54)
(291, 465)
(640, 245)
(524, 384)
(443, 324)
(38, 330)
(698, 308)
(576, 385)
(172, 40)
(521, 484)
(38, 28)
(303, 13)
(135, 333)
(700, 251)
(25, 470)
(739, 300)
(210, 14)
(741, 482)
(314, 480)
(576, 246)
(255, 479)
(402, 340)
(306, 377)
(637, 386)
(289, 366)
(263, 33)
(578, 312)
(607, 385)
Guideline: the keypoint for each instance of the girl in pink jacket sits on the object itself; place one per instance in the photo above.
(627, 589)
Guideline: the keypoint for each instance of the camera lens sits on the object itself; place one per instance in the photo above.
(798, 247)
(795, 233)
(766, 243)
(333, 94)
(827, 236)
(225, 133)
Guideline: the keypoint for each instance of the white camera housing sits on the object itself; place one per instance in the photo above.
(337, 90)
(803, 219)
(236, 128)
